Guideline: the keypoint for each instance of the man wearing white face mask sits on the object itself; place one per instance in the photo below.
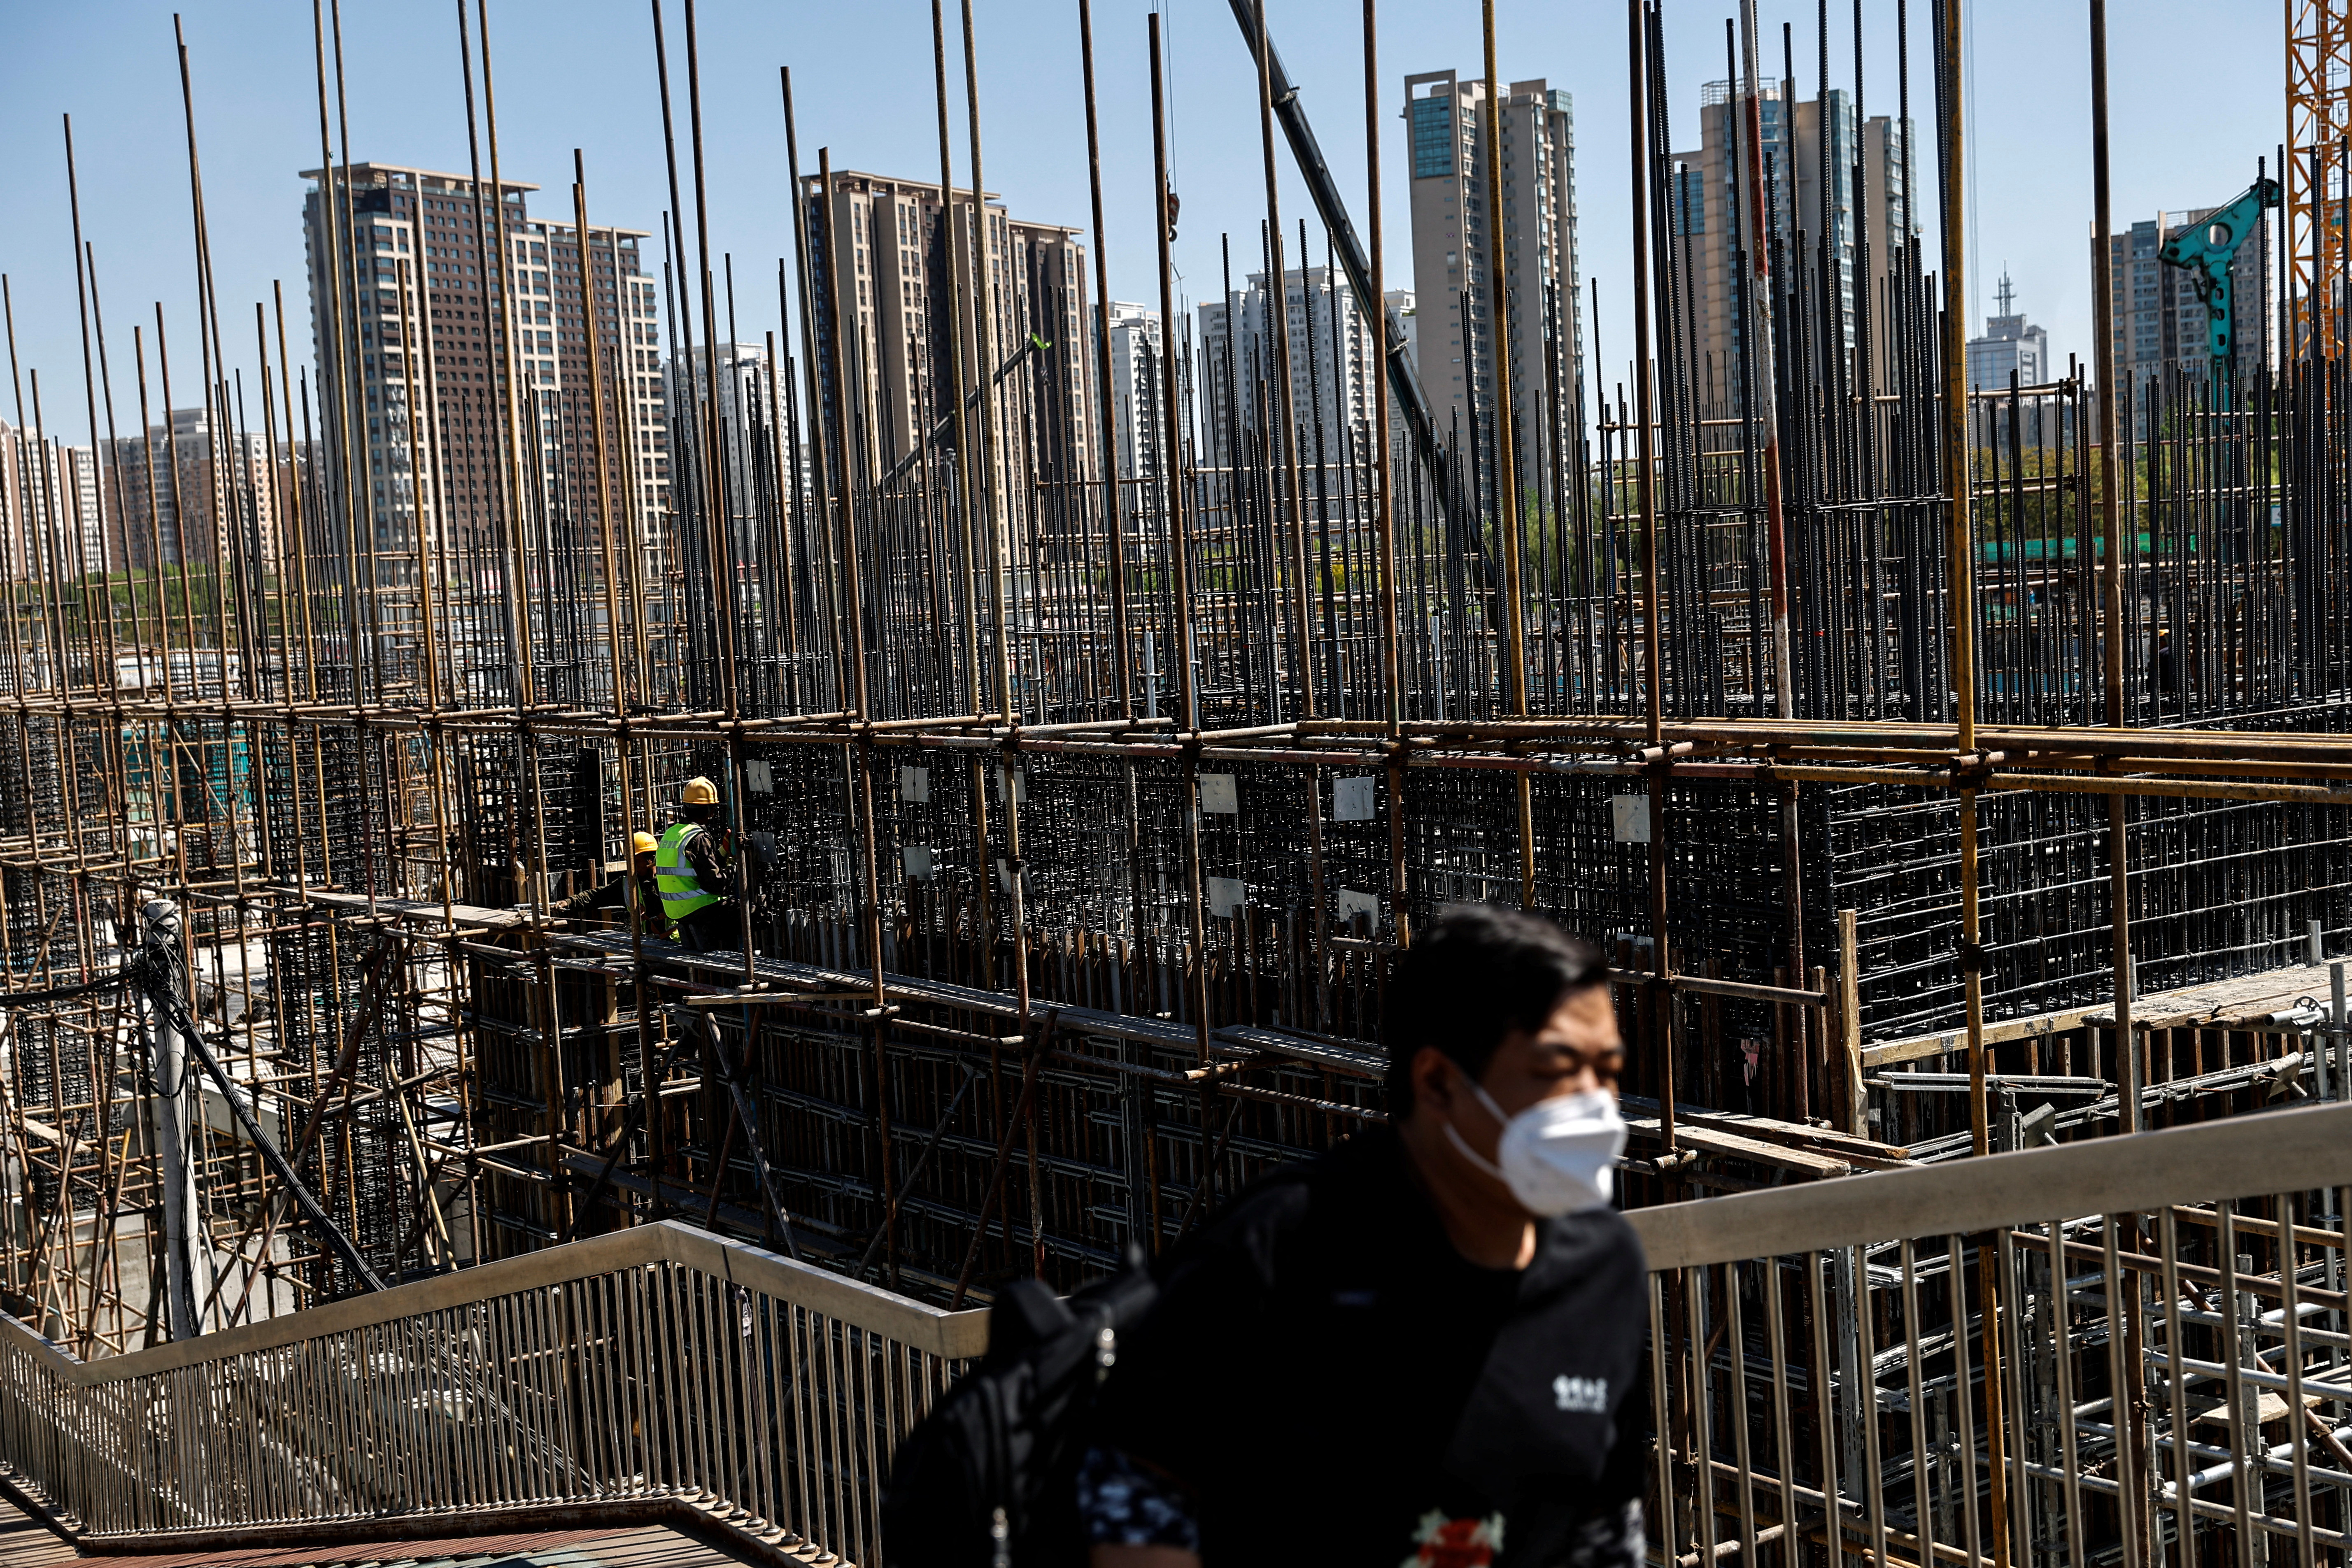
(1424, 1349)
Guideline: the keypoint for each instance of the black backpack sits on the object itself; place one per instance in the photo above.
(988, 1479)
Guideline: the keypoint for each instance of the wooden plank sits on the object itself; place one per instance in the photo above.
(412, 908)
(1766, 1129)
(2222, 1004)
(1953, 1041)
(1713, 1141)
(1861, 1153)
(1853, 1101)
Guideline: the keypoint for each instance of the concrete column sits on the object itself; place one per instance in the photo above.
(174, 1111)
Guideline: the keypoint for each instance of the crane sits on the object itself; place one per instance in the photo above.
(2205, 251)
(2318, 122)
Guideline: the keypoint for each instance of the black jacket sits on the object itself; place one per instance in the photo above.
(1332, 1382)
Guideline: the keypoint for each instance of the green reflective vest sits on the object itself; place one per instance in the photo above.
(682, 893)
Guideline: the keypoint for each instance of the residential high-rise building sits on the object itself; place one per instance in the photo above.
(1136, 397)
(1330, 342)
(29, 485)
(193, 510)
(2160, 324)
(441, 344)
(888, 245)
(81, 515)
(55, 514)
(1455, 244)
(1711, 204)
(746, 423)
(2011, 346)
(16, 470)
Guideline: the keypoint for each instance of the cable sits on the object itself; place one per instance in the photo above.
(154, 969)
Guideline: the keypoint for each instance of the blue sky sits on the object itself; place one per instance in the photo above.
(2198, 98)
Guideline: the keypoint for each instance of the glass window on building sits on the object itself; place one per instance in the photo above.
(1432, 137)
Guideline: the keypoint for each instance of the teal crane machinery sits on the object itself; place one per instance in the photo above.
(2205, 251)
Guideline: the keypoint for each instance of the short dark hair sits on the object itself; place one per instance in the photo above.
(1478, 973)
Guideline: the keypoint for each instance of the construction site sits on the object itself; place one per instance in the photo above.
(1949, 773)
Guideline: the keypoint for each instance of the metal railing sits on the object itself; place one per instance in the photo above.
(1823, 1380)
(657, 1368)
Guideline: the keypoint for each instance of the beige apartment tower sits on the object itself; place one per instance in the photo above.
(1456, 243)
(883, 238)
(431, 344)
(1330, 344)
(1138, 358)
(1869, 180)
(165, 492)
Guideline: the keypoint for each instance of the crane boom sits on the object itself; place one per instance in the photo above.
(1403, 380)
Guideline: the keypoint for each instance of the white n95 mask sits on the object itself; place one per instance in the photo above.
(1558, 1154)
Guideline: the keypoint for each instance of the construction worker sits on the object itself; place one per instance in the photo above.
(632, 889)
(695, 872)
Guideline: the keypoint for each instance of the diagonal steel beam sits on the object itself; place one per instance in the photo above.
(1405, 382)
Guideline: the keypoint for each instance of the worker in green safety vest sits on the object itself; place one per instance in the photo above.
(631, 889)
(694, 871)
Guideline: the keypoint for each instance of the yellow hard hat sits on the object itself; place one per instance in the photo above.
(643, 844)
(700, 792)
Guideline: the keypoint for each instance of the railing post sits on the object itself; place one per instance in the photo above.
(2335, 1015)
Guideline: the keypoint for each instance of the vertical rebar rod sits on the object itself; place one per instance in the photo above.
(639, 912)
(966, 483)
(716, 514)
(1106, 453)
(519, 512)
(2111, 581)
(1957, 482)
(1509, 517)
(812, 362)
(1383, 464)
(1282, 428)
(1001, 559)
(1645, 489)
(1180, 549)
(296, 544)
(85, 288)
(1180, 537)
(1499, 314)
(1957, 479)
(993, 506)
(155, 513)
